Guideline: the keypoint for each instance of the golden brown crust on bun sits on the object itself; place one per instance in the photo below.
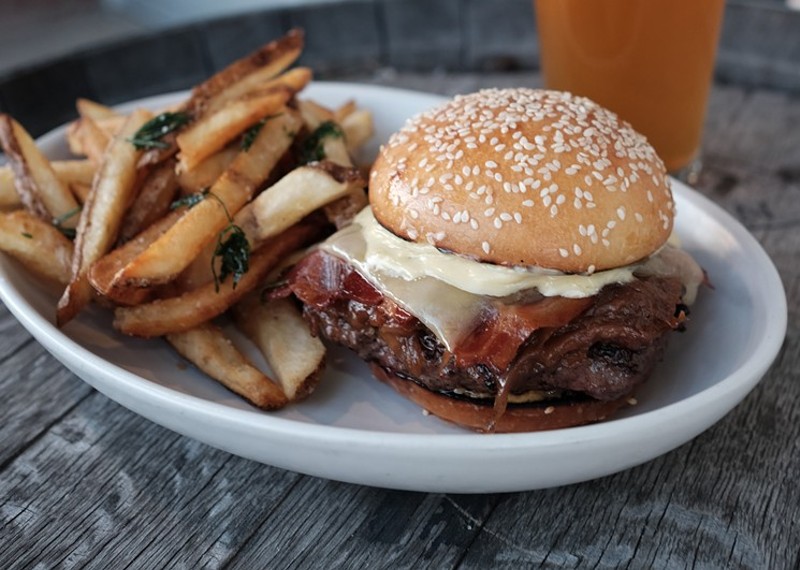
(525, 177)
(558, 414)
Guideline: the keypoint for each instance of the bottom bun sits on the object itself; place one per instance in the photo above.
(540, 416)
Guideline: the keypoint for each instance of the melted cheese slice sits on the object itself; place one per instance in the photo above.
(448, 292)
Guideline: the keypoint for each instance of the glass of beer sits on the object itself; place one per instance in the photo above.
(650, 61)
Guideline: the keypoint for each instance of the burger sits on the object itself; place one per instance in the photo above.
(514, 270)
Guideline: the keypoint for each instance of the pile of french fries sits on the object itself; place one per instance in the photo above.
(174, 218)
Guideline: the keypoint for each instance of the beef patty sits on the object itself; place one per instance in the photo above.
(602, 346)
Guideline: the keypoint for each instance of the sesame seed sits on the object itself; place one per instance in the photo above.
(563, 252)
(486, 247)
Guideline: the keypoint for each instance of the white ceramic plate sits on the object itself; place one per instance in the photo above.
(355, 429)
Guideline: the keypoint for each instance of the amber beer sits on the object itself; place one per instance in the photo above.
(651, 61)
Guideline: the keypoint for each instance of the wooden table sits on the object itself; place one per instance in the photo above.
(86, 483)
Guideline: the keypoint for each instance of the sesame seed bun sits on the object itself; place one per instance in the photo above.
(525, 177)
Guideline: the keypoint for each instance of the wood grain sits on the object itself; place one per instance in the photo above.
(86, 484)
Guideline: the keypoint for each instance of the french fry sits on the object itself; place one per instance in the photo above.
(94, 110)
(199, 272)
(68, 171)
(207, 172)
(214, 130)
(8, 193)
(80, 191)
(313, 113)
(39, 189)
(101, 273)
(92, 139)
(101, 117)
(244, 74)
(295, 196)
(315, 116)
(177, 314)
(277, 328)
(175, 250)
(340, 212)
(102, 214)
(233, 82)
(38, 245)
(358, 128)
(293, 80)
(344, 111)
(207, 347)
(152, 201)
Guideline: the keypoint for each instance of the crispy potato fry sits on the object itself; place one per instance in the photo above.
(199, 272)
(94, 110)
(293, 80)
(101, 273)
(313, 113)
(215, 130)
(82, 133)
(340, 212)
(175, 250)
(37, 244)
(68, 171)
(295, 196)
(333, 146)
(39, 189)
(176, 314)
(91, 140)
(344, 111)
(102, 214)
(152, 200)
(8, 193)
(358, 128)
(277, 328)
(111, 125)
(207, 347)
(80, 191)
(208, 171)
(242, 75)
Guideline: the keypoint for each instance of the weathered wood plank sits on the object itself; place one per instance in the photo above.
(35, 389)
(107, 488)
(12, 335)
(349, 526)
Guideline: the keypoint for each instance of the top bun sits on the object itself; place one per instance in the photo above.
(525, 177)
